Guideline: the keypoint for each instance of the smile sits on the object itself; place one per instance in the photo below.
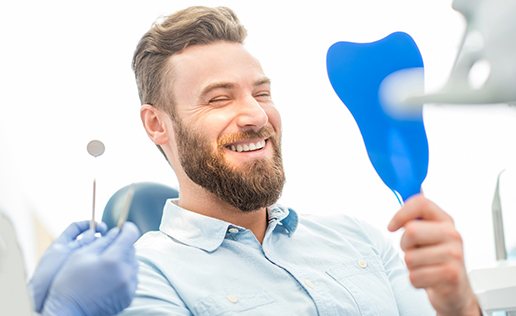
(244, 147)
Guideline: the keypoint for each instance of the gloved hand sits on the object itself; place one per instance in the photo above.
(98, 279)
(54, 257)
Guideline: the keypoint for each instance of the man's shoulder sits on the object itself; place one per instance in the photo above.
(332, 220)
(150, 237)
(154, 242)
(341, 225)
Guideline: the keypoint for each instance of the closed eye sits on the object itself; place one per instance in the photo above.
(263, 96)
(219, 101)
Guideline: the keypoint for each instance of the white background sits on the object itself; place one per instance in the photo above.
(66, 79)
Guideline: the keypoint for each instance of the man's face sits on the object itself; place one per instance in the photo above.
(226, 127)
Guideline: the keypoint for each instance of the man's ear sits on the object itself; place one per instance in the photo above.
(156, 123)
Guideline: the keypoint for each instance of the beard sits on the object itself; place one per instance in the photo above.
(250, 187)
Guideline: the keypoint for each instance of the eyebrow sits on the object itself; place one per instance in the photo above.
(230, 85)
(262, 81)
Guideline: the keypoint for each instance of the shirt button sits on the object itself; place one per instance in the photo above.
(309, 284)
(232, 299)
(362, 263)
(233, 230)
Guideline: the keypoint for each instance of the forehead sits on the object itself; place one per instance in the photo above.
(201, 65)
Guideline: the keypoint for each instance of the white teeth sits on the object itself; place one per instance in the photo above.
(248, 147)
(259, 145)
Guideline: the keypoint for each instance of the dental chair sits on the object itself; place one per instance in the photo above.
(146, 207)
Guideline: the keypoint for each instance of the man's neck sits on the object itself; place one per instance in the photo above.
(203, 202)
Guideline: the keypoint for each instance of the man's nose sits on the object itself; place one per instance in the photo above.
(251, 114)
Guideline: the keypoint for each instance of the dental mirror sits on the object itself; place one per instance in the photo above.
(95, 148)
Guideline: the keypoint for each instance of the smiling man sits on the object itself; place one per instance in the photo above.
(227, 128)
(225, 246)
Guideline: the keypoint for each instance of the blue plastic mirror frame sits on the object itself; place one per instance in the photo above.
(397, 148)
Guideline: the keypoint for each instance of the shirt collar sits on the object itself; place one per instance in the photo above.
(208, 233)
(192, 228)
(283, 218)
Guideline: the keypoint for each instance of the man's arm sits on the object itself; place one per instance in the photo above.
(434, 256)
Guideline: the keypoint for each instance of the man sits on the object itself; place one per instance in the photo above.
(225, 247)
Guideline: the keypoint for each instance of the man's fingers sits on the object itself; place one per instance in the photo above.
(417, 207)
(449, 274)
(435, 255)
(427, 233)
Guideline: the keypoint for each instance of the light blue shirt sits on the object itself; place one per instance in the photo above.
(311, 265)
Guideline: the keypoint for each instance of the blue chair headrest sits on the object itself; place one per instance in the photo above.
(146, 208)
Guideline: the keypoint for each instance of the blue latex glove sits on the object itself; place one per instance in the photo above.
(98, 279)
(55, 256)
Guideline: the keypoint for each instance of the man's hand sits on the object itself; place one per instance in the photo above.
(434, 256)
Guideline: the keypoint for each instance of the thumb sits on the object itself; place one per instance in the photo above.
(72, 231)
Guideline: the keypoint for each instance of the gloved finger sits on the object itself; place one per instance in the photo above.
(87, 238)
(101, 228)
(73, 231)
(125, 239)
(77, 228)
(129, 234)
(101, 243)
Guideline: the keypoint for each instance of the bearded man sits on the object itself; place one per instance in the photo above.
(225, 246)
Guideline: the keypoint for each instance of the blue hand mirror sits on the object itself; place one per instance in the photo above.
(396, 145)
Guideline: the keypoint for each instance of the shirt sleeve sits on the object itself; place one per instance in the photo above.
(154, 295)
(410, 301)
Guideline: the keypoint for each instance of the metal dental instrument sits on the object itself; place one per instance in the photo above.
(124, 211)
(499, 234)
(95, 148)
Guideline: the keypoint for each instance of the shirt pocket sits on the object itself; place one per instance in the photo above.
(234, 304)
(366, 281)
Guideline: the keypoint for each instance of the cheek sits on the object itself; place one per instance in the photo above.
(206, 126)
(220, 119)
(274, 118)
(216, 124)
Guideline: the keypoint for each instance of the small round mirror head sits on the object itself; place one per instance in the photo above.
(95, 148)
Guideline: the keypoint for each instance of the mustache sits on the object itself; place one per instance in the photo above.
(264, 132)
